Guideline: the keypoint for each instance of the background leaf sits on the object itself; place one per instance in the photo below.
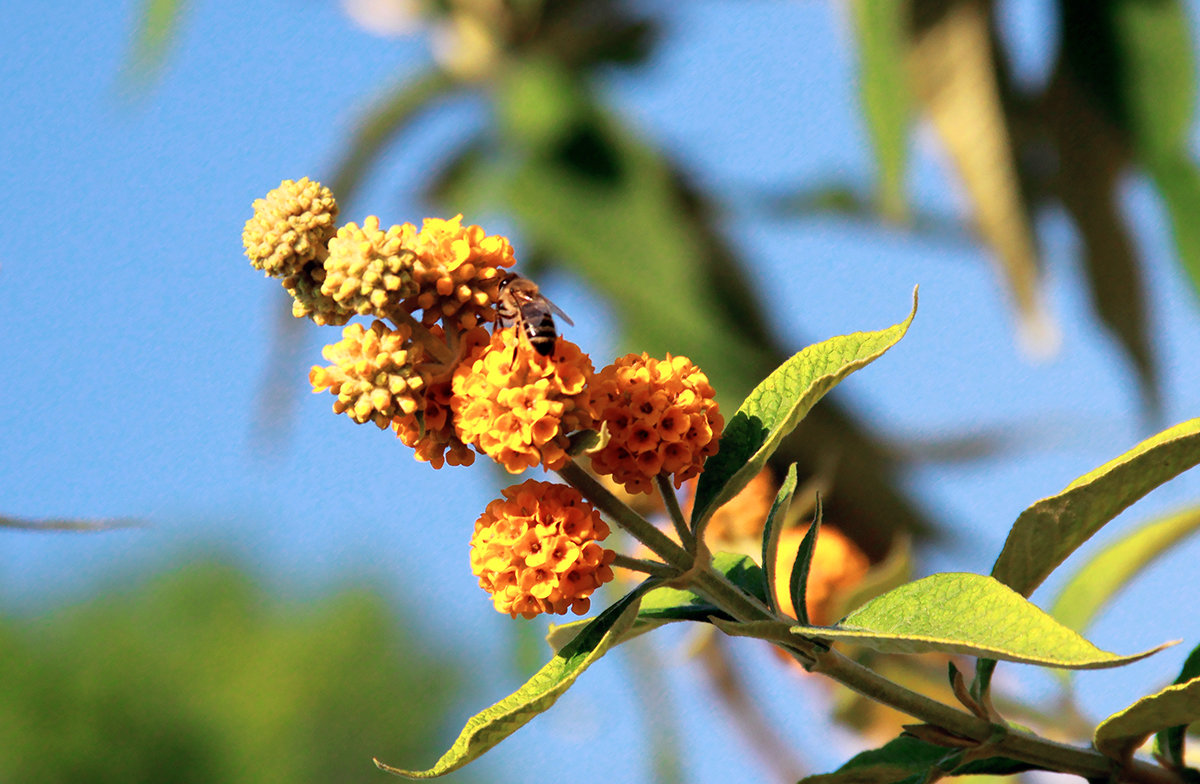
(971, 614)
(952, 67)
(884, 93)
(1095, 583)
(1050, 530)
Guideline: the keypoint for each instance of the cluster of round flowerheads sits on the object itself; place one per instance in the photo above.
(427, 366)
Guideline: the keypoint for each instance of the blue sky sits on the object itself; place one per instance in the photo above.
(134, 334)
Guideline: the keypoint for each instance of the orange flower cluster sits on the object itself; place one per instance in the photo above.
(458, 269)
(430, 432)
(537, 550)
(517, 406)
(661, 418)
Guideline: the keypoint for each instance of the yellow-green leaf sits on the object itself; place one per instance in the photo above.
(489, 727)
(778, 404)
(1050, 530)
(884, 93)
(969, 614)
(771, 531)
(1113, 567)
(1119, 734)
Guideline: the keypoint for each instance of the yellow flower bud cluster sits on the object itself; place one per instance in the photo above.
(288, 238)
(374, 373)
(537, 550)
(369, 270)
(448, 271)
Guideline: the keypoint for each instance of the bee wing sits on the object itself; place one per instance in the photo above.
(558, 311)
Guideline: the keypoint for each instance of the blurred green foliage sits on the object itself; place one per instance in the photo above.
(198, 674)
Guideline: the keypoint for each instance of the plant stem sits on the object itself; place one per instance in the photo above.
(662, 545)
(653, 568)
(671, 501)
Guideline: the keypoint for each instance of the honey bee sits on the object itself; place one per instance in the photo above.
(521, 303)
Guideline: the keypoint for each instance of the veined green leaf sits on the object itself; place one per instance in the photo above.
(778, 404)
(1112, 568)
(771, 531)
(1050, 530)
(489, 727)
(665, 604)
(884, 93)
(906, 757)
(1177, 705)
(1169, 742)
(798, 580)
(970, 614)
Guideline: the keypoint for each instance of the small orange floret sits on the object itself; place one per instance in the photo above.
(837, 566)
(457, 270)
(537, 550)
(517, 406)
(661, 418)
(430, 431)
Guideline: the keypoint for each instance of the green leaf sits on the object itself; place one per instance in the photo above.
(385, 119)
(970, 614)
(1091, 588)
(1177, 705)
(771, 531)
(159, 22)
(1050, 530)
(1169, 742)
(884, 93)
(665, 604)
(489, 727)
(798, 580)
(778, 404)
(906, 757)
(1178, 181)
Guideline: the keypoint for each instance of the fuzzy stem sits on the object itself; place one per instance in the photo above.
(662, 545)
(653, 568)
(672, 503)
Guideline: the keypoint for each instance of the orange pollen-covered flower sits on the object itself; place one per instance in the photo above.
(837, 566)
(375, 373)
(457, 270)
(537, 550)
(661, 418)
(517, 406)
